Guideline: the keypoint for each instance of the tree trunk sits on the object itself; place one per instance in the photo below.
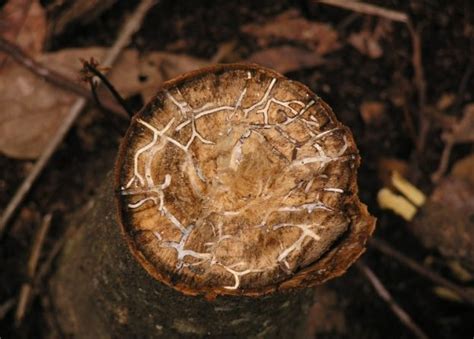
(235, 191)
(100, 291)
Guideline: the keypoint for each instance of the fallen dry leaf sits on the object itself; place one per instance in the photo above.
(365, 43)
(368, 42)
(23, 22)
(446, 221)
(32, 111)
(463, 131)
(445, 101)
(286, 59)
(290, 26)
(372, 111)
(35, 109)
(464, 169)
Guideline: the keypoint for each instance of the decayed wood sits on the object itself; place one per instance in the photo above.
(235, 190)
(101, 291)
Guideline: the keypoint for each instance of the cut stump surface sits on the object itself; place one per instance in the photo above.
(236, 180)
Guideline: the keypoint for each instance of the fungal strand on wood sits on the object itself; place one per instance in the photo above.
(236, 180)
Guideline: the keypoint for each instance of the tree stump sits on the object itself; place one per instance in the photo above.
(235, 192)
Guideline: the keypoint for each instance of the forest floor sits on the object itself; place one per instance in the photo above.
(361, 65)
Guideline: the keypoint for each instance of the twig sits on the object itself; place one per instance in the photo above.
(387, 297)
(464, 82)
(131, 26)
(444, 160)
(364, 8)
(91, 67)
(420, 84)
(466, 76)
(344, 23)
(448, 137)
(26, 288)
(6, 306)
(388, 250)
(54, 77)
(53, 253)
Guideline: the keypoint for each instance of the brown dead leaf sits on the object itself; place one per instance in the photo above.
(446, 221)
(368, 42)
(290, 26)
(445, 101)
(286, 59)
(463, 131)
(35, 109)
(372, 112)
(32, 111)
(464, 169)
(23, 22)
(365, 43)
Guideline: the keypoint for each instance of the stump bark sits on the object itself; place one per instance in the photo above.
(234, 192)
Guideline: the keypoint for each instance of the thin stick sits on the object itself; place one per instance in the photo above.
(131, 26)
(26, 288)
(388, 250)
(54, 77)
(387, 297)
(364, 8)
(6, 306)
(420, 84)
(464, 81)
(449, 140)
(444, 160)
(53, 253)
(91, 68)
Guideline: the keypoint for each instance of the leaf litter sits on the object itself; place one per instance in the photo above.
(36, 108)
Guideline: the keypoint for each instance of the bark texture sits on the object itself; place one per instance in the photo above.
(101, 291)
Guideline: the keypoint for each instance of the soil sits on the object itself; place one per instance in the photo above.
(345, 81)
